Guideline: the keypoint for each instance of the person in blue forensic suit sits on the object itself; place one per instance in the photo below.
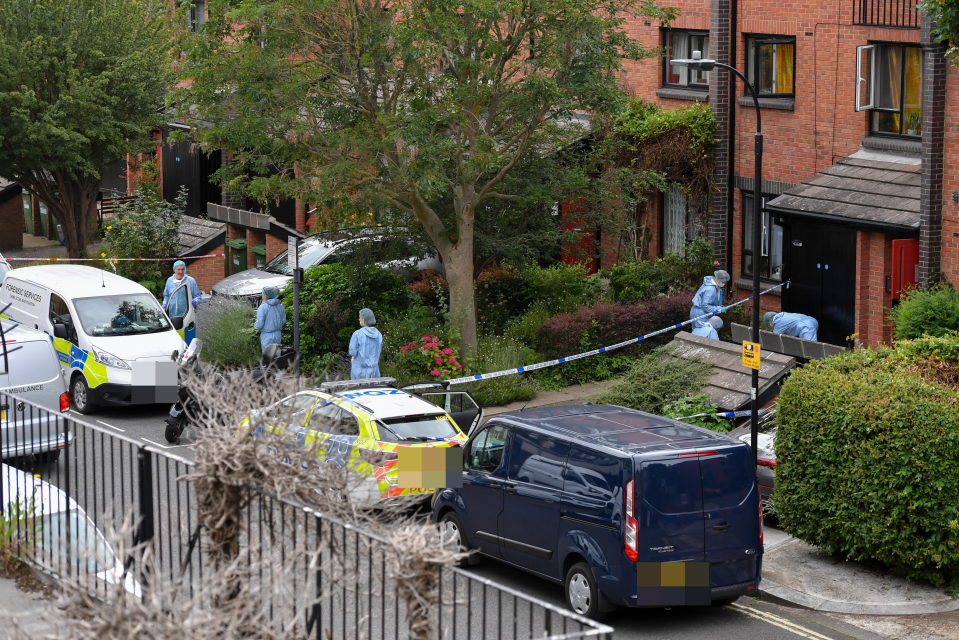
(365, 347)
(174, 281)
(709, 330)
(709, 298)
(793, 324)
(270, 318)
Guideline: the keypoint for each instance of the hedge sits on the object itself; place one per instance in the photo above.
(868, 456)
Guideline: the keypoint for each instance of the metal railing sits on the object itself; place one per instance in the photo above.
(886, 13)
(337, 580)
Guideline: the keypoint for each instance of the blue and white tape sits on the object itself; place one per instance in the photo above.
(725, 414)
(553, 363)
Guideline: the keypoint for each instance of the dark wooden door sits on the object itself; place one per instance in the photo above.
(821, 264)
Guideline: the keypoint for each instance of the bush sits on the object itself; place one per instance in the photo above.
(499, 354)
(225, 325)
(933, 311)
(499, 297)
(656, 380)
(694, 405)
(430, 355)
(558, 288)
(149, 227)
(868, 456)
(645, 279)
(331, 297)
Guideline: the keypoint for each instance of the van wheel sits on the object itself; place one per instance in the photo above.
(81, 396)
(451, 528)
(582, 592)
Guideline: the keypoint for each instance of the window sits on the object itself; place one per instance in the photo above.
(60, 315)
(889, 79)
(329, 418)
(486, 452)
(681, 222)
(771, 65)
(771, 255)
(590, 474)
(681, 44)
(673, 486)
(727, 478)
(197, 14)
(537, 459)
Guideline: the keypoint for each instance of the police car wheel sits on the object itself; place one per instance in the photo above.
(81, 396)
(582, 592)
(453, 532)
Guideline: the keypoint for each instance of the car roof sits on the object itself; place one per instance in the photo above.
(386, 403)
(620, 429)
(78, 280)
(15, 331)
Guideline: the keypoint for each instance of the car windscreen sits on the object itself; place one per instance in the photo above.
(87, 547)
(436, 426)
(308, 254)
(121, 315)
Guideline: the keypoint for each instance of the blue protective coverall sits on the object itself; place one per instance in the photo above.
(365, 347)
(270, 318)
(796, 325)
(171, 285)
(709, 299)
(706, 331)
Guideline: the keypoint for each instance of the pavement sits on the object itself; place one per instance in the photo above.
(577, 394)
(33, 614)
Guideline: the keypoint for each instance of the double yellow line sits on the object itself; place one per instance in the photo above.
(780, 622)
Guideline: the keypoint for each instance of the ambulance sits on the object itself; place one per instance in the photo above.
(104, 328)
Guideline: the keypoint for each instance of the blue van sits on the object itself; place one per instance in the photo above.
(590, 496)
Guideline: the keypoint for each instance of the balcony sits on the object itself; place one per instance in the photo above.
(886, 13)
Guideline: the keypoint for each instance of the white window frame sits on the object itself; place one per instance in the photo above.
(870, 50)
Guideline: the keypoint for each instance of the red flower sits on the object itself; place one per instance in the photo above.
(435, 372)
(426, 338)
(430, 345)
(447, 351)
(451, 359)
(459, 366)
(439, 361)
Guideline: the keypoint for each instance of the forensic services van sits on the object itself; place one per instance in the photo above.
(109, 332)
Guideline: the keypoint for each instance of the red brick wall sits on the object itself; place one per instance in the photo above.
(274, 247)
(235, 233)
(950, 209)
(11, 222)
(207, 271)
(873, 264)
(253, 238)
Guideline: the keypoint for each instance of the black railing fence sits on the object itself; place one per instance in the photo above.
(67, 483)
(886, 13)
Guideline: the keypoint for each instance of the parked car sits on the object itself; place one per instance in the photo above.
(313, 251)
(30, 371)
(365, 423)
(103, 326)
(585, 496)
(766, 458)
(59, 534)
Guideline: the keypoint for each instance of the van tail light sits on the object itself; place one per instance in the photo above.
(631, 526)
(377, 458)
(65, 401)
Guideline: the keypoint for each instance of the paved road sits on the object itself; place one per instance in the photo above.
(143, 423)
(745, 618)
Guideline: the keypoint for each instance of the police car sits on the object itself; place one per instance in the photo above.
(364, 424)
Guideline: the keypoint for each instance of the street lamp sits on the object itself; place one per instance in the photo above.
(698, 62)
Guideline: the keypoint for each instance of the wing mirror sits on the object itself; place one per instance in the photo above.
(177, 322)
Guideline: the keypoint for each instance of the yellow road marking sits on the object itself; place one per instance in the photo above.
(779, 622)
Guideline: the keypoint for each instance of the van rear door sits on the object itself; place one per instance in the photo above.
(671, 522)
(731, 507)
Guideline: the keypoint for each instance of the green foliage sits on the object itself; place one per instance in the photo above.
(644, 120)
(693, 405)
(657, 380)
(499, 354)
(868, 456)
(430, 356)
(81, 83)
(149, 227)
(331, 297)
(559, 287)
(933, 310)
(643, 279)
(523, 329)
(225, 326)
(945, 13)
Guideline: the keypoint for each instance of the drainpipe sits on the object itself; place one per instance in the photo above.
(731, 164)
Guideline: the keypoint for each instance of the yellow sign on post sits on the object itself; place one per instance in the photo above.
(751, 355)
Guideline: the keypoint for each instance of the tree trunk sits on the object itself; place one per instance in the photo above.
(72, 211)
(459, 274)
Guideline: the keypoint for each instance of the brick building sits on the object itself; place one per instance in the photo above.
(858, 198)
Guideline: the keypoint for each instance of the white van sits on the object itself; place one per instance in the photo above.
(103, 328)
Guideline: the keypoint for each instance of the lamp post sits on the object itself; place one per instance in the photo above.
(697, 62)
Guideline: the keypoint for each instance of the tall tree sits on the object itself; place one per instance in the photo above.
(427, 107)
(81, 83)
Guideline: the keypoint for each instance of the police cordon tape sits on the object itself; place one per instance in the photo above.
(725, 414)
(552, 363)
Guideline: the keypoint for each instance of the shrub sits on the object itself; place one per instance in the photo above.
(149, 227)
(499, 297)
(645, 279)
(558, 288)
(523, 329)
(430, 355)
(656, 380)
(868, 456)
(933, 311)
(431, 289)
(694, 405)
(225, 325)
(499, 354)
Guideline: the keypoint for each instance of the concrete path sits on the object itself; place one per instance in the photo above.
(798, 574)
(34, 614)
(576, 394)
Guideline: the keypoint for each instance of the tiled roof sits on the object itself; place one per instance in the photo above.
(196, 232)
(858, 190)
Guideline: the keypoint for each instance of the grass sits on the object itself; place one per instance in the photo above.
(496, 354)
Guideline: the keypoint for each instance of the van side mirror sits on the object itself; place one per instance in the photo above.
(60, 331)
(177, 322)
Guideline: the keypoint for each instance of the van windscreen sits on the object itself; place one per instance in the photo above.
(121, 315)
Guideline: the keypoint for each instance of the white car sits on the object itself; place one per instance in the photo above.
(312, 251)
(66, 538)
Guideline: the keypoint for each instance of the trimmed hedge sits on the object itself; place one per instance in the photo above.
(868, 456)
